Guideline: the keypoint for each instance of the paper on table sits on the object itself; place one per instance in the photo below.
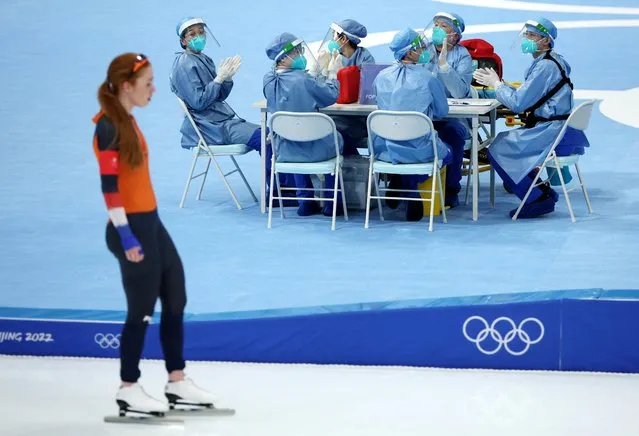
(469, 102)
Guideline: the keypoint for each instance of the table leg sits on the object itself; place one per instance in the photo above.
(475, 164)
(263, 163)
(493, 128)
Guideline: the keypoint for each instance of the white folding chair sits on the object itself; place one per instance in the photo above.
(211, 152)
(578, 119)
(402, 126)
(304, 127)
(467, 165)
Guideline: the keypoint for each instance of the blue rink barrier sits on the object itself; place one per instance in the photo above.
(594, 332)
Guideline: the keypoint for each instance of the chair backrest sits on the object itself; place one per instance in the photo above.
(579, 119)
(399, 126)
(191, 120)
(580, 116)
(303, 127)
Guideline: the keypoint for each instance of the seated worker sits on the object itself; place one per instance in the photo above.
(205, 88)
(410, 85)
(454, 68)
(289, 87)
(344, 37)
(546, 98)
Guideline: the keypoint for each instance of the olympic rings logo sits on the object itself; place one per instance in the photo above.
(516, 331)
(108, 340)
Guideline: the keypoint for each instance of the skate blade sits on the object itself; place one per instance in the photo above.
(148, 420)
(200, 411)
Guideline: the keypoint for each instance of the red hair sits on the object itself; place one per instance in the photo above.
(125, 68)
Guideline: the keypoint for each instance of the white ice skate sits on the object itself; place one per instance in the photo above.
(197, 400)
(138, 406)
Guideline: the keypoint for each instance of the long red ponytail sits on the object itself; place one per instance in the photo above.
(124, 68)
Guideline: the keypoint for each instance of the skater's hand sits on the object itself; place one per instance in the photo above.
(134, 254)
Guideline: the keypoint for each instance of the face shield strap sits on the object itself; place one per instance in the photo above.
(195, 21)
(449, 17)
(338, 29)
(540, 29)
(288, 48)
(416, 43)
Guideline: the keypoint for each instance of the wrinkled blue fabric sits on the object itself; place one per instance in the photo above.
(410, 88)
(297, 91)
(361, 56)
(191, 79)
(520, 150)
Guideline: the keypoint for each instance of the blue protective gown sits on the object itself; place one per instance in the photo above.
(517, 152)
(459, 75)
(361, 56)
(408, 87)
(191, 80)
(297, 91)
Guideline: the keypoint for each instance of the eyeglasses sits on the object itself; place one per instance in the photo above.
(140, 61)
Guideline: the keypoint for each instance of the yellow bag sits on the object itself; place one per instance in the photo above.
(427, 186)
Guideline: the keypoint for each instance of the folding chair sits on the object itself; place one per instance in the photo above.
(304, 127)
(211, 152)
(467, 165)
(578, 119)
(402, 126)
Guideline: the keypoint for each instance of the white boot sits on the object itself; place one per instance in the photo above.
(135, 399)
(186, 392)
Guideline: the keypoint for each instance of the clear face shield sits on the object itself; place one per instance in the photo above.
(442, 28)
(296, 55)
(196, 35)
(422, 48)
(335, 39)
(532, 38)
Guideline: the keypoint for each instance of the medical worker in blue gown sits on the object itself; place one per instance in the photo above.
(546, 97)
(454, 68)
(411, 85)
(289, 87)
(344, 37)
(204, 88)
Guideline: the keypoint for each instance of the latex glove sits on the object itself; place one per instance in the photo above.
(443, 63)
(321, 66)
(323, 60)
(223, 71)
(235, 63)
(487, 77)
(335, 65)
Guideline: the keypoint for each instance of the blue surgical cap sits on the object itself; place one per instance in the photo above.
(403, 42)
(354, 30)
(187, 22)
(457, 23)
(544, 28)
(277, 45)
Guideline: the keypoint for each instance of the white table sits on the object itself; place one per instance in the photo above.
(478, 110)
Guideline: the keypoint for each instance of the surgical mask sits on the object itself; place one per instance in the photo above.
(529, 46)
(198, 43)
(424, 57)
(333, 46)
(439, 35)
(299, 63)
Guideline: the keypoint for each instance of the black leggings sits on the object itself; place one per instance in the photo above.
(160, 274)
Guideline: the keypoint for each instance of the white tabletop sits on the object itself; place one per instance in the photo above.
(457, 107)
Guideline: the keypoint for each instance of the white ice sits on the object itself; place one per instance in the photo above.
(48, 396)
